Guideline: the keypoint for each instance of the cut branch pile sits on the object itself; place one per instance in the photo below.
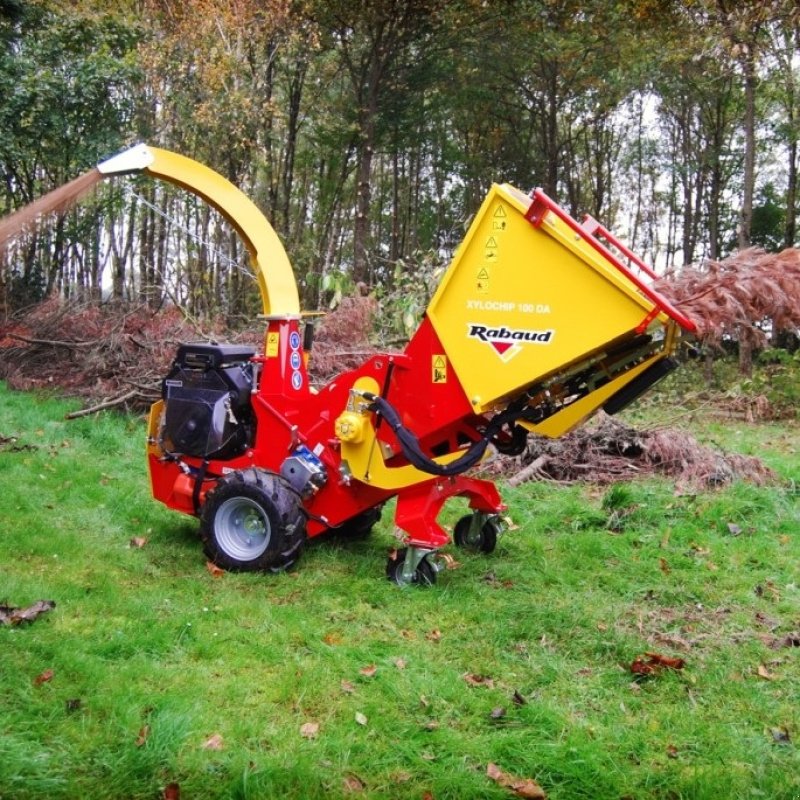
(116, 356)
(341, 340)
(109, 355)
(734, 297)
(113, 356)
(606, 451)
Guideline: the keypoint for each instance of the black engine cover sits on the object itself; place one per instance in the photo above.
(207, 401)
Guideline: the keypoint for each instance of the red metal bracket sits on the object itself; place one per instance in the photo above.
(419, 506)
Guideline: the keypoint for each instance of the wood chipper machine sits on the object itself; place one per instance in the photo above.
(538, 322)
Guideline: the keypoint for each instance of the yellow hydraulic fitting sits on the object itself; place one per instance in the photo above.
(350, 427)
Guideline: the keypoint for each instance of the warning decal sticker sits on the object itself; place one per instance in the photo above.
(439, 369)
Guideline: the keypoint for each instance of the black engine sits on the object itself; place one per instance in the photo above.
(207, 401)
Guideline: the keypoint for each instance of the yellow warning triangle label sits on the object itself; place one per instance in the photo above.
(483, 275)
(491, 242)
(439, 362)
(500, 211)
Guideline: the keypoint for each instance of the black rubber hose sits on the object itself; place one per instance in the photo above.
(413, 452)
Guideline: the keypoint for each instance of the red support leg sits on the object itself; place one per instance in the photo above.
(418, 507)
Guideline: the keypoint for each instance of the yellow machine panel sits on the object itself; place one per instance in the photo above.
(521, 302)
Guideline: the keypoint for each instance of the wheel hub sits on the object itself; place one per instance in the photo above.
(242, 528)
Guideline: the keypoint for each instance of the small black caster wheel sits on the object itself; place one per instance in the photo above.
(424, 575)
(477, 532)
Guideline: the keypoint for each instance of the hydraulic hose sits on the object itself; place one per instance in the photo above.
(410, 446)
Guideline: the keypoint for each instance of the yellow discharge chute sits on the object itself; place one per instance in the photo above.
(271, 264)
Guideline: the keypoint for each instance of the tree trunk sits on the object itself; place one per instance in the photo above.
(361, 226)
(748, 188)
(791, 183)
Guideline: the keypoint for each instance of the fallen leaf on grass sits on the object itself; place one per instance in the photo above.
(733, 529)
(672, 751)
(141, 739)
(434, 636)
(498, 713)
(10, 615)
(449, 561)
(347, 687)
(478, 680)
(655, 663)
(768, 588)
(518, 699)
(764, 673)
(510, 525)
(767, 622)
(214, 742)
(400, 663)
(214, 570)
(43, 677)
(780, 735)
(137, 542)
(495, 582)
(431, 725)
(332, 638)
(664, 566)
(352, 783)
(522, 787)
(309, 730)
(369, 671)
(172, 791)
(361, 718)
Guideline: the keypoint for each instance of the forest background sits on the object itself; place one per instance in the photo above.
(368, 132)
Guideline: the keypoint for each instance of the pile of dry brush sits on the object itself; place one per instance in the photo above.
(606, 451)
(735, 297)
(115, 356)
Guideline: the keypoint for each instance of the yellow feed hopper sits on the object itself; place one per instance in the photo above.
(533, 301)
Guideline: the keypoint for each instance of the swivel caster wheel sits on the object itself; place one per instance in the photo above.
(477, 532)
(401, 570)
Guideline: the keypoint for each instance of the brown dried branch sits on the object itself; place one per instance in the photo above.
(117, 401)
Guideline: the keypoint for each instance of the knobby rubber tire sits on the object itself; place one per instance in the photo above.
(252, 521)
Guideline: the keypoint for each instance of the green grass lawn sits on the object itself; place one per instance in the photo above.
(162, 673)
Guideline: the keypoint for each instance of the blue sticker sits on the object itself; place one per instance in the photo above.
(294, 360)
(297, 380)
(294, 340)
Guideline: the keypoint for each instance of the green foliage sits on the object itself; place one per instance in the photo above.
(769, 220)
(778, 379)
(403, 303)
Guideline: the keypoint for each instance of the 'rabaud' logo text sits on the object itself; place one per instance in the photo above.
(507, 342)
